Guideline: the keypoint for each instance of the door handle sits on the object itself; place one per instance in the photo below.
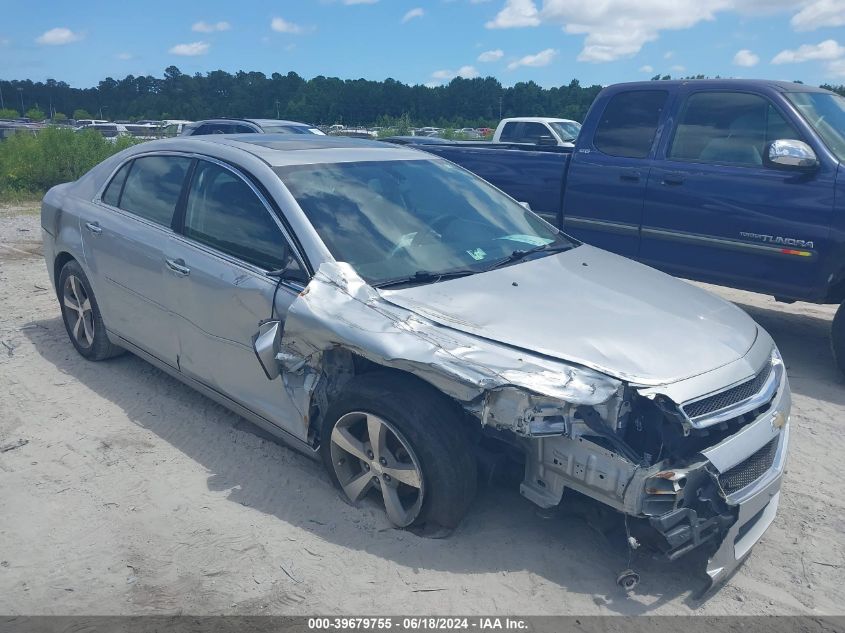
(631, 175)
(178, 267)
(94, 227)
(673, 179)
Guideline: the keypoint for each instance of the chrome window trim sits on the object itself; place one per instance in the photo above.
(252, 268)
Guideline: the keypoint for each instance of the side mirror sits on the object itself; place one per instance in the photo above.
(792, 154)
(547, 140)
(265, 344)
(525, 205)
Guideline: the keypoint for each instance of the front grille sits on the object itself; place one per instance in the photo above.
(750, 470)
(730, 396)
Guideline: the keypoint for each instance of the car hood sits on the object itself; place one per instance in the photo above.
(593, 308)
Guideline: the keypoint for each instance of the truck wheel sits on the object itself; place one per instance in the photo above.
(837, 337)
(398, 439)
(81, 315)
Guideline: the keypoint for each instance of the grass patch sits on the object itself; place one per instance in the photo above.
(32, 163)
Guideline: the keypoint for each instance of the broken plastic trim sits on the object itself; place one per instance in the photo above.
(339, 311)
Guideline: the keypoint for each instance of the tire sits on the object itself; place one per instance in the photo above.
(837, 337)
(85, 327)
(427, 434)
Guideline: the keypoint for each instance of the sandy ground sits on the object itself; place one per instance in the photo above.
(132, 494)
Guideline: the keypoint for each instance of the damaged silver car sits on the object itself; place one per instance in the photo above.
(401, 319)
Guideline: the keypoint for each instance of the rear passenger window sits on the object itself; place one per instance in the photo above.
(224, 212)
(629, 123)
(153, 187)
(509, 132)
(112, 193)
(728, 128)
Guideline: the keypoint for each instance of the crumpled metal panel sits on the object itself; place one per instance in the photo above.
(339, 310)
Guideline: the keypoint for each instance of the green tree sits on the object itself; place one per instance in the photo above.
(59, 116)
(36, 114)
(81, 114)
(8, 113)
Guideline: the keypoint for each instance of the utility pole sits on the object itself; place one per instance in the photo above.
(278, 116)
(500, 107)
(20, 93)
(2, 104)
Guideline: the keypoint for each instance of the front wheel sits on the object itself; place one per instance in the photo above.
(837, 337)
(399, 440)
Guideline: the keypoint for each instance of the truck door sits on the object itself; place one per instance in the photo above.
(716, 211)
(606, 182)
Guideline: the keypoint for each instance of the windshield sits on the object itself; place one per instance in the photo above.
(395, 219)
(567, 131)
(826, 114)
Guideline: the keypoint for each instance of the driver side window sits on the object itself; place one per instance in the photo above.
(225, 213)
(730, 128)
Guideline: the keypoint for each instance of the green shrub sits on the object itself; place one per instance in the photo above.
(32, 163)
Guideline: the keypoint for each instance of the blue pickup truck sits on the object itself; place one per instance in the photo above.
(732, 182)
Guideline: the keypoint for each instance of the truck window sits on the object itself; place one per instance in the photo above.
(728, 128)
(509, 132)
(533, 132)
(629, 123)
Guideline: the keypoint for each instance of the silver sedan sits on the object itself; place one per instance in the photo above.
(399, 318)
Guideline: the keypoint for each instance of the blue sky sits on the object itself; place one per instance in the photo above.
(428, 42)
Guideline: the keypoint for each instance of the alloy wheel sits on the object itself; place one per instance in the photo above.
(78, 311)
(369, 454)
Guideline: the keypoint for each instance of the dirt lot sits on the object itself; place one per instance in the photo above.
(130, 493)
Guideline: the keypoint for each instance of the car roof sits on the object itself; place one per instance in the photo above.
(780, 86)
(537, 119)
(258, 122)
(279, 150)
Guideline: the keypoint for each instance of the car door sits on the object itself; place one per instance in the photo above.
(606, 181)
(122, 240)
(716, 210)
(229, 240)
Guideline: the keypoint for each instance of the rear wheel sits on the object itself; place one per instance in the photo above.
(398, 440)
(81, 315)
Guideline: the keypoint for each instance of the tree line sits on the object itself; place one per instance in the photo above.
(322, 100)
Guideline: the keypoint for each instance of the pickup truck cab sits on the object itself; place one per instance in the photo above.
(537, 131)
(732, 182)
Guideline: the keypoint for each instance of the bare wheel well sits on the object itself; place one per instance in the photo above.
(61, 260)
(358, 365)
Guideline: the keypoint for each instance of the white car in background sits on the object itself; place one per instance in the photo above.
(537, 131)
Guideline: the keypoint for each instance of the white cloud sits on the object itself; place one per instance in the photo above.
(514, 14)
(819, 13)
(543, 58)
(647, 69)
(281, 25)
(827, 50)
(58, 36)
(123, 56)
(413, 13)
(491, 56)
(616, 29)
(190, 50)
(677, 68)
(746, 58)
(439, 76)
(210, 27)
(4, 41)
(668, 54)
